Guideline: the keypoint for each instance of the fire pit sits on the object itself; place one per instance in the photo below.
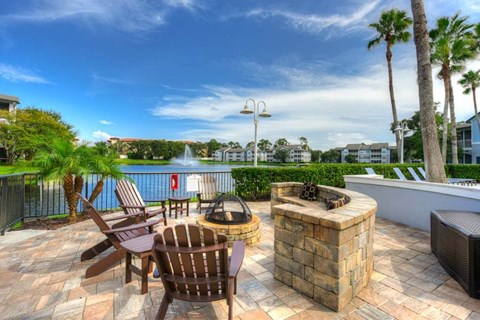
(228, 209)
(231, 216)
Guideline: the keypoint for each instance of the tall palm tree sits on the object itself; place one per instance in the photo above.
(470, 81)
(452, 44)
(431, 149)
(392, 28)
(66, 162)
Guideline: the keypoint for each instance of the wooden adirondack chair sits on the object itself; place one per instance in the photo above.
(186, 256)
(115, 236)
(132, 202)
(207, 191)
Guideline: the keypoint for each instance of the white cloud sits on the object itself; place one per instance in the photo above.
(105, 122)
(314, 23)
(101, 135)
(19, 74)
(127, 15)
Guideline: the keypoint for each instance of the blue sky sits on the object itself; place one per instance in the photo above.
(182, 69)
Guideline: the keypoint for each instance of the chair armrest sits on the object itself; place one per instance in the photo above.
(163, 201)
(236, 259)
(133, 227)
(125, 216)
(132, 207)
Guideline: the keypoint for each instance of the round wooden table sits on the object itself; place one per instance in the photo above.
(176, 204)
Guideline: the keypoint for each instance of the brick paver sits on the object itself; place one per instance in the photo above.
(43, 278)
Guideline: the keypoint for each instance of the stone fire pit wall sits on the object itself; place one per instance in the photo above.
(326, 255)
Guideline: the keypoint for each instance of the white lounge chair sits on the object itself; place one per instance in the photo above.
(414, 174)
(370, 171)
(460, 181)
(400, 174)
(422, 172)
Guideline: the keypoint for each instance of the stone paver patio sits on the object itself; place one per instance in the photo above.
(43, 278)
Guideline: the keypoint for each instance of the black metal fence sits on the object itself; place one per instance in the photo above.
(12, 192)
(47, 198)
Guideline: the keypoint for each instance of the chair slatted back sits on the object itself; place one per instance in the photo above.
(193, 266)
(207, 186)
(103, 226)
(414, 174)
(400, 174)
(422, 172)
(127, 194)
(370, 171)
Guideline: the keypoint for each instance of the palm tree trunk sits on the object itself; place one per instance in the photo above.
(431, 148)
(475, 106)
(445, 121)
(392, 96)
(69, 190)
(96, 191)
(453, 122)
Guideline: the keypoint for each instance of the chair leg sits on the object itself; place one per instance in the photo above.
(144, 272)
(96, 250)
(162, 311)
(128, 270)
(231, 288)
(104, 264)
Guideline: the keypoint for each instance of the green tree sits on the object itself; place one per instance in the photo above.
(105, 166)
(212, 146)
(350, 158)
(331, 156)
(265, 145)
(68, 163)
(281, 142)
(31, 129)
(470, 81)
(452, 44)
(316, 155)
(431, 149)
(392, 28)
(233, 144)
(281, 155)
(250, 144)
(304, 143)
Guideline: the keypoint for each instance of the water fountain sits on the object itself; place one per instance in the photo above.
(187, 159)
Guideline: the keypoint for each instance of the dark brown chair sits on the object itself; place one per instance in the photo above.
(194, 267)
(132, 202)
(207, 191)
(115, 236)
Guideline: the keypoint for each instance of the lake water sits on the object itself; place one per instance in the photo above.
(175, 168)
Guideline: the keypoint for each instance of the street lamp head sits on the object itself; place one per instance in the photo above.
(265, 114)
(246, 110)
(398, 128)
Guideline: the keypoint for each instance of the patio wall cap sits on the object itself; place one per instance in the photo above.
(359, 208)
(441, 188)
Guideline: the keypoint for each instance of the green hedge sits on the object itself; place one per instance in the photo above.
(254, 183)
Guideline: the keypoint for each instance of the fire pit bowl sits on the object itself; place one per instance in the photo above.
(228, 209)
(231, 216)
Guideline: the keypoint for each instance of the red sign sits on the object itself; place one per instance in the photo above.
(174, 181)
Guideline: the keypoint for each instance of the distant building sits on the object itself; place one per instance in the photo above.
(7, 103)
(367, 153)
(296, 153)
(228, 154)
(468, 134)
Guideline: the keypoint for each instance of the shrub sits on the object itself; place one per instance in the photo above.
(254, 183)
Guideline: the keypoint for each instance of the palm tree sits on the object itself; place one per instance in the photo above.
(431, 149)
(452, 43)
(392, 28)
(470, 82)
(66, 162)
(105, 166)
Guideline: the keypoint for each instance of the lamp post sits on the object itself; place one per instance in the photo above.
(402, 128)
(256, 114)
